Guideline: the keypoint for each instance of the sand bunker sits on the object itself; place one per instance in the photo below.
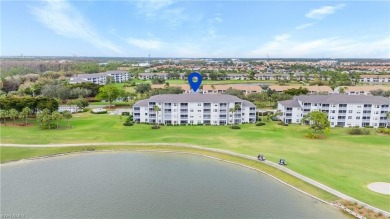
(380, 187)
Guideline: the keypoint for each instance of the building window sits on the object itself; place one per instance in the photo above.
(350, 111)
(215, 110)
(349, 117)
(357, 117)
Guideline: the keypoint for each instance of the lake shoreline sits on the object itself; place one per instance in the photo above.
(282, 174)
(75, 153)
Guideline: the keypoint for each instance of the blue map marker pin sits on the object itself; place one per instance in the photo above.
(195, 84)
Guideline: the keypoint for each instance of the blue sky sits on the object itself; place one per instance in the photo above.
(169, 28)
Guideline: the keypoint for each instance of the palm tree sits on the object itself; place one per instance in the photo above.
(156, 109)
(231, 110)
(213, 87)
(13, 114)
(236, 108)
(56, 116)
(24, 114)
(67, 115)
(4, 115)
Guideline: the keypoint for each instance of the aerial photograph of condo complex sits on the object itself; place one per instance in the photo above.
(195, 109)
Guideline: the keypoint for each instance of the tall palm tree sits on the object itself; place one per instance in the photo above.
(13, 114)
(231, 110)
(24, 114)
(4, 114)
(156, 109)
(236, 108)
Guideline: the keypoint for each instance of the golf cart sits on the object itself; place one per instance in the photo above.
(261, 157)
(282, 162)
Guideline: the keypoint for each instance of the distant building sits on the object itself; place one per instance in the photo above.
(360, 90)
(222, 88)
(185, 87)
(210, 109)
(101, 78)
(375, 78)
(70, 108)
(342, 109)
(311, 89)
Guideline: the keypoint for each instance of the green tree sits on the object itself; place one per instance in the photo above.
(143, 88)
(56, 116)
(67, 115)
(295, 92)
(234, 110)
(156, 109)
(109, 93)
(318, 121)
(13, 114)
(44, 118)
(231, 111)
(235, 92)
(24, 114)
(81, 103)
(3, 115)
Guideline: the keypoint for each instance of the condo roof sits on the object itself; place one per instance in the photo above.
(343, 98)
(290, 103)
(194, 97)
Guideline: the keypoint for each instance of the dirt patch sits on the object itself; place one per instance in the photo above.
(19, 125)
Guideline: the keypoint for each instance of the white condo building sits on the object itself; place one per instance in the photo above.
(194, 109)
(342, 109)
(101, 78)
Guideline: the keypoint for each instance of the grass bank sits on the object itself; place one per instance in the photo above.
(343, 162)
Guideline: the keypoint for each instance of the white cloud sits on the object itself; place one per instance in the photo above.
(281, 38)
(304, 26)
(333, 47)
(145, 44)
(65, 20)
(154, 5)
(162, 11)
(320, 13)
(211, 33)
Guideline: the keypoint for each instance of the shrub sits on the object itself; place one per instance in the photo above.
(155, 127)
(125, 113)
(358, 131)
(369, 127)
(235, 127)
(127, 123)
(100, 112)
(282, 123)
(260, 124)
(312, 135)
(385, 131)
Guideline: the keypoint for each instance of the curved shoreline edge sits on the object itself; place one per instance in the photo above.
(201, 149)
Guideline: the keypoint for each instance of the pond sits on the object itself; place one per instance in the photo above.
(149, 185)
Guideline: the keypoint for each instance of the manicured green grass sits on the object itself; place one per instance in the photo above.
(344, 162)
